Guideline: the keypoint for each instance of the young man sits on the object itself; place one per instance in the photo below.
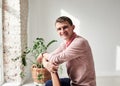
(76, 52)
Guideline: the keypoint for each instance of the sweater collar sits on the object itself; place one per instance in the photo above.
(72, 38)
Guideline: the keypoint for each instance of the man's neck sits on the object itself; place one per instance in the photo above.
(68, 42)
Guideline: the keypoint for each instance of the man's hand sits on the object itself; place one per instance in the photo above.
(49, 66)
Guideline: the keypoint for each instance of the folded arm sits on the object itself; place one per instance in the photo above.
(51, 67)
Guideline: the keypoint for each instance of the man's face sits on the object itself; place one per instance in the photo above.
(65, 30)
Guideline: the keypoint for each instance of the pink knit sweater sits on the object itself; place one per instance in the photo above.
(79, 61)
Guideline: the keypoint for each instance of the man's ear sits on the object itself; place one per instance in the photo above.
(73, 27)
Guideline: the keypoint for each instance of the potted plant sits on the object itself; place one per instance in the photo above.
(39, 74)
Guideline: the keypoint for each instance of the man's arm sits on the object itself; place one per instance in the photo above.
(51, 67)
(56, 51)
(76, 49)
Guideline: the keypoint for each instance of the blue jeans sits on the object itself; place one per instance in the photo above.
(63, 81)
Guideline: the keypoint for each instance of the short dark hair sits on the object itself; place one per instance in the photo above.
(63, 19)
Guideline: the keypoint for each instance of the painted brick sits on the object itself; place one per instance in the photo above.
(15, 37)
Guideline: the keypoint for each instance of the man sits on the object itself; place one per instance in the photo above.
(76, 52)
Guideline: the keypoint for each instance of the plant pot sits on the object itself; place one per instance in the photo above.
(40, 75)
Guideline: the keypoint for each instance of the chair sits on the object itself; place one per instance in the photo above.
(55, 79)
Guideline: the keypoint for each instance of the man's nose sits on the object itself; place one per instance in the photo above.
(62, 30)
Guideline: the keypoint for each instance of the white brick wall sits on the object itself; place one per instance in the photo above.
(15, 37)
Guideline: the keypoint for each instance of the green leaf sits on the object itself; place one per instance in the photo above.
(51, 43)
(24, 61)
(40, 76)
(22, 75)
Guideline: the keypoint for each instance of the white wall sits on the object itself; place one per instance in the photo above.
(98, 21)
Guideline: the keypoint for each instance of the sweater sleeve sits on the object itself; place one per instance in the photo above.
(57, 51)
(74, 50)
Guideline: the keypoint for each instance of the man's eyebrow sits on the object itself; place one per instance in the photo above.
(65, 26)
(62, 27)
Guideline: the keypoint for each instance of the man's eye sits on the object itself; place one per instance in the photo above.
(65, 27)
(59, 29)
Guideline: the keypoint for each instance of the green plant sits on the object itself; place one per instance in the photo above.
(39, 46)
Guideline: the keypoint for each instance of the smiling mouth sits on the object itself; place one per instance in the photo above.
(64, 35)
